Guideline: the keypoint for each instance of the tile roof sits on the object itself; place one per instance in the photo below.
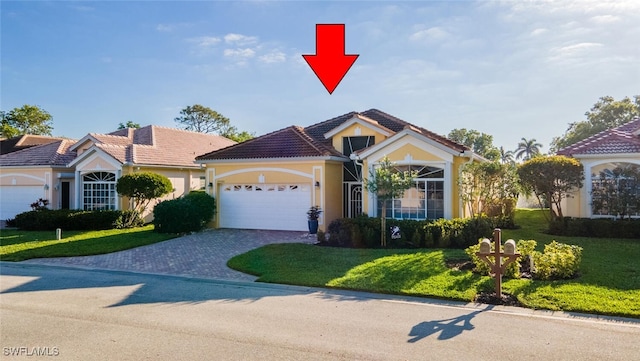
(289, 142)
(155, 145)
(24, 141)
(151, 145)
(55, 154)
(623, 139)
(310, 141)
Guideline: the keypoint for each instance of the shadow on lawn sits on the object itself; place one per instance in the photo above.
(86, 247)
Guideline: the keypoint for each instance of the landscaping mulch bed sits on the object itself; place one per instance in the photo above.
(489, 297)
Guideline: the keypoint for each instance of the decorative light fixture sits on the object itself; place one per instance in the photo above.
(210, 184)
(317, 184)
(46, 187)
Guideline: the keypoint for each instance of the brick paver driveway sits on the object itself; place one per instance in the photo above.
(202, 254)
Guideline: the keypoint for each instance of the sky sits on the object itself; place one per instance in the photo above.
(511, 69)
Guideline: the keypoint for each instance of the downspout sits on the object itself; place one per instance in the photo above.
(356, 159)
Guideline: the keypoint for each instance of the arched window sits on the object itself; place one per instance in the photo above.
(99, 191)
(424, 200)
(615, 190)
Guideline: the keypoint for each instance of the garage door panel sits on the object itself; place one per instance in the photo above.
(17, 199)
(265, 206)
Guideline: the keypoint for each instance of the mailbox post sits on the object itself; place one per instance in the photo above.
(497, 266)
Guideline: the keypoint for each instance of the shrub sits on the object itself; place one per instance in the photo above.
(459, 232)
(128, 219)
(558, 261)
(141, 188)
(48, 220)
(190, 213)
(525, 248)
(598, 227)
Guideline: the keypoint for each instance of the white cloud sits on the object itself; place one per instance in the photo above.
(164, 28)
(574, 52)
(605, 19)
(274, 56)
(539, 31)
(239, 39)
(435, 33)
(240, 53)
(205, 41)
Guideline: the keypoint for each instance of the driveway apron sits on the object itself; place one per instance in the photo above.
(203, 254)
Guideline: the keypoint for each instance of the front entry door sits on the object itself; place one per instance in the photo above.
(352, 195)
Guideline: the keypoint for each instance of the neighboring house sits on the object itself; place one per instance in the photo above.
(270, 182)
(23, 142)
(83, 174)
(602, 152)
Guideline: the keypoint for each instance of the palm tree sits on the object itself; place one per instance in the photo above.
(506, 156)
(528, 149)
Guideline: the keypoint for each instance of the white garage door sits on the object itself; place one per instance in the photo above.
(18, 199)
(265, 206)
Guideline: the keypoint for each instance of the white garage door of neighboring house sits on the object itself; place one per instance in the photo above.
(264, 206)
(18, 199)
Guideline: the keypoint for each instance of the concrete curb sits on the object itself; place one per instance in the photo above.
(361, 295)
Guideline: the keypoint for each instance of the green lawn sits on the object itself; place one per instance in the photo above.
(609, 281)
(21, 245)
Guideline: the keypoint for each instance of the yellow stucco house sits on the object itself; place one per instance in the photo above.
(83, 174)
(599, 155)
(270, 182)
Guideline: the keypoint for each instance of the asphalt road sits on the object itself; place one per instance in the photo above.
(72, 314)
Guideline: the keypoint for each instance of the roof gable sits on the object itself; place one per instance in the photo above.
(360, 120)
(154, 145)
(57, 153)
(623, 139)
(25, 141)
(290, 142)
(315, 140)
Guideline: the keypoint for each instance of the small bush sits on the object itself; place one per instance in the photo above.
(513, 270)
(128, 219)
(190, 213)
(459, 232)
(48, 220)
(558, 261)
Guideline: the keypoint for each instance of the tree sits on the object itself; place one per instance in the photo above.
(387, 183)
(616, 192)
(28, 119)
(142, 188)
(489, 187)
(551, 178)
(480, 143)
(606, 113)
(128, 124)
(232, 133)
(527, 149)
(506, 156)
(202, 119)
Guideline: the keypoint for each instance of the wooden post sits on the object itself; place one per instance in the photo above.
(497, 265)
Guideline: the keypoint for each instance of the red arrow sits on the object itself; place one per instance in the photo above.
(330, 63)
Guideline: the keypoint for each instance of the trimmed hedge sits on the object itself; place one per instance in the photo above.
(364, 232)
(596, 227)
(68, 219)
(190, 213)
